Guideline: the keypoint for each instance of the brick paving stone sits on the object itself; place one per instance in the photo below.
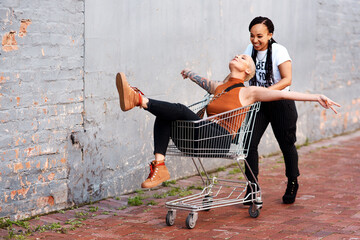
(341, 236)
(3, 232)
(327, 206)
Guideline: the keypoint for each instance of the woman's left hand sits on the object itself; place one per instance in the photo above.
(327, 103)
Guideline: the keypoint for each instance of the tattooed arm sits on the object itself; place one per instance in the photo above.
(206, 84)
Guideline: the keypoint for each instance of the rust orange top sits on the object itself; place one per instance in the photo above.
(226, 102)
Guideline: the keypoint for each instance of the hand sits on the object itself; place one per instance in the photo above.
(185, 73)
(327, 103)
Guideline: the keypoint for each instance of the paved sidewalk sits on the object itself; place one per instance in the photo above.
(327, 207)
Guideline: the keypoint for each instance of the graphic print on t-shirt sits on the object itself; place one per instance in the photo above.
(260, 74)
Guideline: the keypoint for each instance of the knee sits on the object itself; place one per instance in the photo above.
(286, 138)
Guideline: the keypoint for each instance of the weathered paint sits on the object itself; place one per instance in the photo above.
(45, 201)
(23, 27)
(9, 42)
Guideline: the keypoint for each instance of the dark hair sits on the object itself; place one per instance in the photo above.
(268, 65)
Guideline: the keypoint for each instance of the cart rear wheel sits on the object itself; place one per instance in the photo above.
(170, 218)
(190, 221)
(254, 211)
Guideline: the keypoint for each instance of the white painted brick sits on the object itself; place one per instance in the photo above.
(41, 98)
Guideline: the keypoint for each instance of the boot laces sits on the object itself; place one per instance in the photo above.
(153, 167)
(137, 90)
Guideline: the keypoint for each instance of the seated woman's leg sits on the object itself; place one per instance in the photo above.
(165, 113)
(129, 97)
(212, 140)
(158, 171)
(170, 111)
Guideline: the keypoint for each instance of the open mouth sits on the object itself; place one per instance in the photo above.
(257, 45)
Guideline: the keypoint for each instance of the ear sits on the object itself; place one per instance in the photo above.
(248, 71)
(270, 35)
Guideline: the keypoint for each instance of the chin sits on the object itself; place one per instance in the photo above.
(231, 67)
(232, 63)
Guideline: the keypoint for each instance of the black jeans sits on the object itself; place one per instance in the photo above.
(282, 115)
(166, 113)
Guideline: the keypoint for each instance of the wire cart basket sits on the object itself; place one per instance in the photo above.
(222, 136)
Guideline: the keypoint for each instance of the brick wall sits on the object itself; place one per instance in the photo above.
(41, 102)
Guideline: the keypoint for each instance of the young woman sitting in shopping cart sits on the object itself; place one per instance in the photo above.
(228, 95)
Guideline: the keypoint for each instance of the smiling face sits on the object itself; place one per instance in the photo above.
(260, 36)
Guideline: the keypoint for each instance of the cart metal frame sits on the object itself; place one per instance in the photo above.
(190, 139)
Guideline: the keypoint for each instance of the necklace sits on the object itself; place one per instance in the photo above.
(260, 60)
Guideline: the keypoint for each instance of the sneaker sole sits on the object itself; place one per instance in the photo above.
(120, 77)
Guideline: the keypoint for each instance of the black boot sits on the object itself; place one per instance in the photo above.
(248, 194)
(291, 190)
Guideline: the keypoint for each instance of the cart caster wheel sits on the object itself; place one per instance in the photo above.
(207, 202)
(254, 211)
(170, 218)
(190, 221)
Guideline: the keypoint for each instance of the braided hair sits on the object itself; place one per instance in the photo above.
(268, 65)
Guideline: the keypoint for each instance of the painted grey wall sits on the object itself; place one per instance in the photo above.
(152, 41)
(64, 139)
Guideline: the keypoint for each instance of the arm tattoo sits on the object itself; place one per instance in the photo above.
(201, 81)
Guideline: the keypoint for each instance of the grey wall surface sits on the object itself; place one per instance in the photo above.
(63, 137)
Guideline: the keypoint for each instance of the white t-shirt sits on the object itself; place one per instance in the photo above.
(279, 55)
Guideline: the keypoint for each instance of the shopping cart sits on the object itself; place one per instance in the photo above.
(223, 136)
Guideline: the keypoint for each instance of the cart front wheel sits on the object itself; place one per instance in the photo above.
(254, 211)
(190, 221)
(170, 218)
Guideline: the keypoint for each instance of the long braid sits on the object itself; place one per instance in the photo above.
(269, 75)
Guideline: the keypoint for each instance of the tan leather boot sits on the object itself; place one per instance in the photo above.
(158, 174)
(129, 96)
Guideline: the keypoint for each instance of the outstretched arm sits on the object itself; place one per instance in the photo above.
(250, 95)
(206, 84)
